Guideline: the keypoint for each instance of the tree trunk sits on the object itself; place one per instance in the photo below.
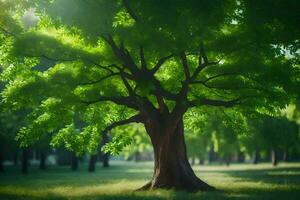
(1, 161)
(25, 155)
(274, 155)
(193, 161)
(43, 160)
(240, 157)
(201, 161)
(74, 162)
(227, 160)
(285, 156)
(92, 163)
(16, 158)
(255, 157)
(171, 167)
(137, 156)
(211, 154)
(105, 160)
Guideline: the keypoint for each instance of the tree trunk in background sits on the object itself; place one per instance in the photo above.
(171, 167)
(227, 160)
(274, 155)
(43, 157)
(16, 158)
(74, 162)
(255, 157)
(105, 160)
(240, 157)
(201, 161)
(25, 155)
(193, 161)
(1, 161)
(211, 154)
(92, 163)
(137, 156)
(285, 156)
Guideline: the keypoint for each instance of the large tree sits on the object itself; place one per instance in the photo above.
(151, 62)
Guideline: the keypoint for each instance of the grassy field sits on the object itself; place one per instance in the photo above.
(119, 181)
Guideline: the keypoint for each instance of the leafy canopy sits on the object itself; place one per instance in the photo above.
(85, 67)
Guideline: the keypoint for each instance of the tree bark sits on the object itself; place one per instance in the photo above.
(274, 155)
(43, 158)
(25, 155)
(171, 167)
(74, 162)
(92, 163)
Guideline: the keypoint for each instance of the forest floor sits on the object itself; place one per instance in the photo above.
(239, 181)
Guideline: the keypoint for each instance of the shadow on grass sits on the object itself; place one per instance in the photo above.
(100, 197)
(269, 183)
(171, 195)
(282, 175)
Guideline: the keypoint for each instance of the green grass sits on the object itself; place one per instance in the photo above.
(119, 181)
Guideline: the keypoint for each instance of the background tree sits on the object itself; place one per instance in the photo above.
(279, 135)
(251, 141)
(10, 122)
(92, 162)
(151, 62)
(42, 148)
(198, 136)
(138, 142)
(197, 145)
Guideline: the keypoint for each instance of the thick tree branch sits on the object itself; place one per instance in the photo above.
(185, 65)
(162, 91)
(142, 57)
(182, 95)
(204, 64)
(127, 85)
(201, 67)
(203, 54)
(135, 118)
(130, 11)
(142, 103)
(175, 116)
(160, 63)
(123, 55)
(162, 107)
